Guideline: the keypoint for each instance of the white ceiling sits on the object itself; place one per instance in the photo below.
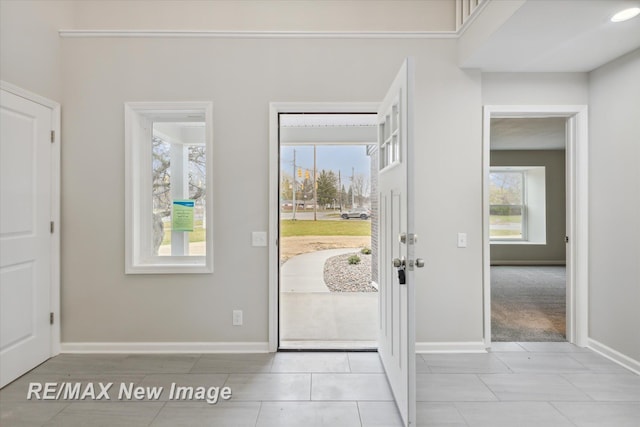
(528, 134)
(558, 35)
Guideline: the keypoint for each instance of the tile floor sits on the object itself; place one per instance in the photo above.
(517, 384)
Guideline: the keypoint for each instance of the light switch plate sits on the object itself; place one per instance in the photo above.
(462, 240)
(237, 318)
(259, 238)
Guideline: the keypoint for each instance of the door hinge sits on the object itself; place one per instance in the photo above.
(53, 136)
(51, 318)
(566, 239)
(51, 227)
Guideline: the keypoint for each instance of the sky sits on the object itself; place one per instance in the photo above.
(329, 157)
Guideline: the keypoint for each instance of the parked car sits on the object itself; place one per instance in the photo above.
(356, 213)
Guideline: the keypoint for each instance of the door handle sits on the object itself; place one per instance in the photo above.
(398, 263)
(418, 262)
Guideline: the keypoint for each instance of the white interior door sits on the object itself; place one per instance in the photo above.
(25, 235)
(396, 242)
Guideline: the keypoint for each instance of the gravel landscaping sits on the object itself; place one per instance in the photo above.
(297, 245)
(340, 276)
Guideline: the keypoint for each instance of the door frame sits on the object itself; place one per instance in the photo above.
(276, 108)
(54, 300)
(577, 217)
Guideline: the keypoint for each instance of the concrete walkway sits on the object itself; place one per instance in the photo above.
(305, 273)
(313, 317)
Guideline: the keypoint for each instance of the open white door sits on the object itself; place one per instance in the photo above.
(397, 241)
(25, 235)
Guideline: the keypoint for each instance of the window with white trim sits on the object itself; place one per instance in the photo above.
(169, 188)
(517, 205)
(507, 210)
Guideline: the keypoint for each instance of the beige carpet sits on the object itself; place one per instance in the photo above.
(528, 303)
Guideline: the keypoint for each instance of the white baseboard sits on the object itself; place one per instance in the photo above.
(164, 347)
(543, 262)
(614, 355)
(451, 347)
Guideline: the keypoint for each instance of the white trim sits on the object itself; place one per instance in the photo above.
(407, 35)
(17, 90)
(579, 227)
(165, 347)
(276, 108)
(138, 259)
(528, 262)
(486, 238)
(258, 34)
(614, 355)
(54, 296)
(460, 29)
(451, 347)
(274, 207)
(56, 191)
(577, 210)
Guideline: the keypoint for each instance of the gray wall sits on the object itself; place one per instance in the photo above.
(30, 49)
(94, 77)
(534, 88)
(241, 77)
(554, 251)
(267, 15)
(614, 184)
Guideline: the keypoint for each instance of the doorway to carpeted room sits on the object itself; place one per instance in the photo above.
(528, 303)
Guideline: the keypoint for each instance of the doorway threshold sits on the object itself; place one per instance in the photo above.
(308, 345)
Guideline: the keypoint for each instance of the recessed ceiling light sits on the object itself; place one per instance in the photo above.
(626, 14)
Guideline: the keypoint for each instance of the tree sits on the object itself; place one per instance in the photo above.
(327, 187)
(505, 188)
(360, 186)
(286, 187)
(161, 183)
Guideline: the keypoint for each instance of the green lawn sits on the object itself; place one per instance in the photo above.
(506, 233)
(197, 235)
(324, 228)
(505, 219)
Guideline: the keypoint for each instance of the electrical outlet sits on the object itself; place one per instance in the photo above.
(237, 317)
(462, 240)
(259, 238)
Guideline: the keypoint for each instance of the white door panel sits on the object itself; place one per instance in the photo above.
(397, 309)
(25, 245)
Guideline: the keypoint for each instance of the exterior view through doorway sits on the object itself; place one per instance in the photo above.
(328, 297)
(395, 234)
